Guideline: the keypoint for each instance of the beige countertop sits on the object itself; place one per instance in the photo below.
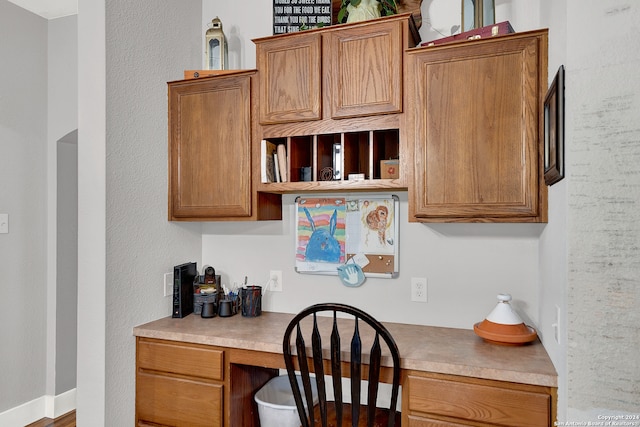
(422, 348)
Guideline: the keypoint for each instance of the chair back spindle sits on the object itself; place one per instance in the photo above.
(324, 412)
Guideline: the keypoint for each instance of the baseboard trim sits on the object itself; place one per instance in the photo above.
(42, 407)
(61, 404)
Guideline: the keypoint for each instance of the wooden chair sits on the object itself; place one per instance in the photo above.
(328, 414)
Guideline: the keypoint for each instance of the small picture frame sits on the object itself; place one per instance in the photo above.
(554, 130)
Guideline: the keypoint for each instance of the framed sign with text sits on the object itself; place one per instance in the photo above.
(294, 15)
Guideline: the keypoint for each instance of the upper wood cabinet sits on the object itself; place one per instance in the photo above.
(476, 130)
(210, 135)
(361, 65)
(363, 70)
(334, 98)
(290, 87)
(461, 122)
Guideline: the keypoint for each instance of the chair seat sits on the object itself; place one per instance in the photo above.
(381, 420)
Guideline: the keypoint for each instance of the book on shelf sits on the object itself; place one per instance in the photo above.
(282, 162)
(276, 168)
(267, 166)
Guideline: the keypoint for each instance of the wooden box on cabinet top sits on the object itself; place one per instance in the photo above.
(476, 130)
(210, 135)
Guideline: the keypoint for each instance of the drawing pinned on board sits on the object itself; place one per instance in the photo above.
(322, 246)
(365, 228)
(321, 233)
(376, 217)
(377, 221)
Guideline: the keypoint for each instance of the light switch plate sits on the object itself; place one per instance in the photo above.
(4, 223)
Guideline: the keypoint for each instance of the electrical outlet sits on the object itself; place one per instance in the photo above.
(168, 284)
(419, 289)
(275, 280)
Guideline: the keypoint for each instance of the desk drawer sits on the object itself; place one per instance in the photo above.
(171, 401)
(426, 422)
(487, 402)
(194, 360)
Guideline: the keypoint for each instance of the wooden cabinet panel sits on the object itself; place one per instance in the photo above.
(362, 65)
(338, 83)
(178, 384)
(210, 148)
(415, 421)
(290, 84)
(176, 401)
(488, 403)
(181, 358)
(476, 130)
(363, 70)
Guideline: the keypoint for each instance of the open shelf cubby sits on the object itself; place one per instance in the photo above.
(331, 158)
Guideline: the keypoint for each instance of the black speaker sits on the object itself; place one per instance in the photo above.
(183, 278)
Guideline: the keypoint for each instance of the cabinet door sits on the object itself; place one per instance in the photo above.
(175, 401)
(364, 70)
(178, 384)
(415, 421)
(476, 130)
(475, 401)
(210, 148)
(290, 83)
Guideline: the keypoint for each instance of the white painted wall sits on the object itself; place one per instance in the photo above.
(66, 291)
(91, 376)
(466, 267)
(38, 107)
(23, 195)
(148, 44)
(62, 218)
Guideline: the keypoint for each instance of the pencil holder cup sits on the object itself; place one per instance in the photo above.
(225, 308)
(251, 297)
(208, 310)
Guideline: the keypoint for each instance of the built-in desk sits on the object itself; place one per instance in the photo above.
(195, 371)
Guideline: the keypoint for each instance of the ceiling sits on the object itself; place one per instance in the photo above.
(49, 9)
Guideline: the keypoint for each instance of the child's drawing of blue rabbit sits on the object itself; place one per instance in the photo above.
(322, 246)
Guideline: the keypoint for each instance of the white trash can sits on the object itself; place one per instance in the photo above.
(276, 406)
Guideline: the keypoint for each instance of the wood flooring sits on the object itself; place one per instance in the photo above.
(66, 420)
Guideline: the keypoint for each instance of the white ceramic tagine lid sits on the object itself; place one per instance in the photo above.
(503, 313)
(504, 326)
